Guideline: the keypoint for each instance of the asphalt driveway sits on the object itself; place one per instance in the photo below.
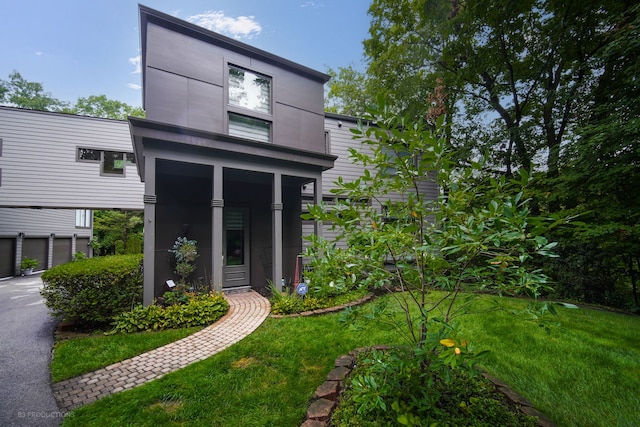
(26, 340)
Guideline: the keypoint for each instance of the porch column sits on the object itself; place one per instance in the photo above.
(149, 199)
(317, 199)
(276, 228)
(217, 217)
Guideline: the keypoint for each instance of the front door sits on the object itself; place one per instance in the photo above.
(236, 246)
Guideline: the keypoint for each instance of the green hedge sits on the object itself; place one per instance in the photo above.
(95, 290)
(200, 310)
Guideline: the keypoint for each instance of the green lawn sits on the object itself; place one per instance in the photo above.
(75, 357)
(583, 373)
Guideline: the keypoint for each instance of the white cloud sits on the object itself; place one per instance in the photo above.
(39, 53)
(134, 86)
(240, 27)
(312, 4)
(136, 62)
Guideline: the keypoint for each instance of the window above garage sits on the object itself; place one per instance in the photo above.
(112, 163)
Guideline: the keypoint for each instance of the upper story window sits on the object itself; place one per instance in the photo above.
(112, 163)
(249, 109)
(249, 90)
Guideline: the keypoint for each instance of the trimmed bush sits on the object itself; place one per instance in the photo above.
(93, 291)
(202, 309)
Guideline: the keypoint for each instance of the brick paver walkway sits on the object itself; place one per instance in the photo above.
(246, 312)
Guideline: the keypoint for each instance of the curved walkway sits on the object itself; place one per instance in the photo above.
(247, 310)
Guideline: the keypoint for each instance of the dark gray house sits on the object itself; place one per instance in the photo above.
(232, 135)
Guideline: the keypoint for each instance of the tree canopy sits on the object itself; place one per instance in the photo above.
(545, 86)
(19, 92)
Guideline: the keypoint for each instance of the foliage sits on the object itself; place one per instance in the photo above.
(199, 310)
(450, 398)
(347, 92)
(25, 94)
(79, 256)
(27, 263)
(22, 93)
(516, 73)
(464, 239)
(111, 227)
(600, 178)
(185, 252)
(470, 237)
(332, 270)
(95, 290)
(539, 85)
(289, 302)
(101, 106)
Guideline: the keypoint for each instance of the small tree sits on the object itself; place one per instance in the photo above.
(465, 239)
(185, 252)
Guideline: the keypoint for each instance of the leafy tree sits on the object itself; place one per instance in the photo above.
(542, 85)
(25, 94)
(21, 93)
(600, 177)
(113, 231)
(407, 241)
(348, 93)
(520, 68)
(101, 106)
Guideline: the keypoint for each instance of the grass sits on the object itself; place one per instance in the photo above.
(586, 372)
(583, 373)
(77, 356)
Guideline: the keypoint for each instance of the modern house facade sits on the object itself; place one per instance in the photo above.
(55, 169)
(232, 135)
(234, 145)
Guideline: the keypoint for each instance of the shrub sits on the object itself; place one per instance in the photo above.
(134, 244)
(200, 310)
(93, 291)
(386, 388)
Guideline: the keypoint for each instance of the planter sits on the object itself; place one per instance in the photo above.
(27, 271)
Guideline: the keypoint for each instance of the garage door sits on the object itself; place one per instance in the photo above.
(7, 257)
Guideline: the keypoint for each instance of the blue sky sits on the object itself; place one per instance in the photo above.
(78, 48)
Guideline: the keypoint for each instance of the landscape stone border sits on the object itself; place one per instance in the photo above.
(327, 310)
(326, 396)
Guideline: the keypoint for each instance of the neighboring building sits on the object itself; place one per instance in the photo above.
(55, 169)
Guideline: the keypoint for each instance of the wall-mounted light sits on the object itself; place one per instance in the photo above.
(53, 235)
(339, 124)
(21, 235)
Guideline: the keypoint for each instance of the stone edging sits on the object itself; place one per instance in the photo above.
(327, 310)
(325, 398)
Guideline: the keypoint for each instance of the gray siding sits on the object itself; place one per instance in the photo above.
(341, 139)
(39, 167)
(40, 222)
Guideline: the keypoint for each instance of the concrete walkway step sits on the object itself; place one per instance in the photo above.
(247, 310)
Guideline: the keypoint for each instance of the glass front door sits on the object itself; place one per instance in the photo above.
(236, 244)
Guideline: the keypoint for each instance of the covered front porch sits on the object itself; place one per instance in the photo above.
(239, 199)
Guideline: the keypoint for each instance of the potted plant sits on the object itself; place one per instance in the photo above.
(27, 265)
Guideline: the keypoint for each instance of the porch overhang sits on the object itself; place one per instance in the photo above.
(143, 130)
